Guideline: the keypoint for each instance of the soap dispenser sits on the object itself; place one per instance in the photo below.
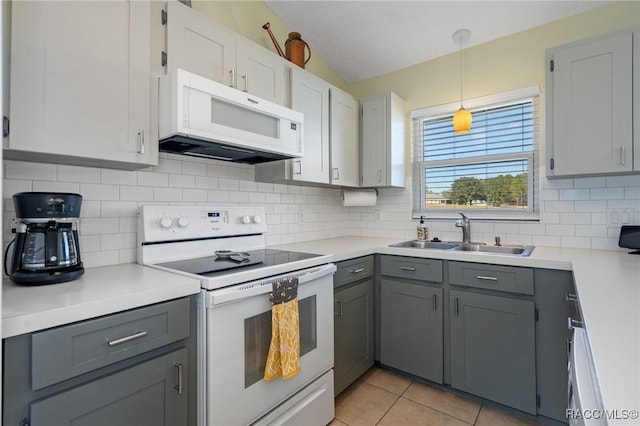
(422, 230)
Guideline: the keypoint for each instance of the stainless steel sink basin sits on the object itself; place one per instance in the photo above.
(508, 249)
(444, 245)
(514, 250)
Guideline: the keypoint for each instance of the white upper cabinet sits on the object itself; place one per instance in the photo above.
(81, 84)
(310, 96)
(199, 45)
(383, 138)
(590, 107)
(345, 168)
(330, 136)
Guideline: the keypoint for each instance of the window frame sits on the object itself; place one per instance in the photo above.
(481, 103)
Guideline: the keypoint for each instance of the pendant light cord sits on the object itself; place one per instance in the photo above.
(461, 67)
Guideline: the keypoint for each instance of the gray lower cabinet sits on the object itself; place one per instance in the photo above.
(353, 321)
(131, 368)
(149, 394)
(411, 316)
(493, 348)
(552, 340)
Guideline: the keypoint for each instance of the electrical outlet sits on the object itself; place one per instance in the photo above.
(377, 215)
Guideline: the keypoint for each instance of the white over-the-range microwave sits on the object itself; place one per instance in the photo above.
(203, 118)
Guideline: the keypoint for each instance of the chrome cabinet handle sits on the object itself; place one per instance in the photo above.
(126, 339)
(435, 302)
(455, 306)
(232, 71)
(179, 386)
(571, 297)
(246, 82)
(486, 278)
(407, 268)
(571, 323)
(357, 271)
(339, 313)
(622, 153)
(141, 142)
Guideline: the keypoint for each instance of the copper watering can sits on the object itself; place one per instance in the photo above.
(294, 47)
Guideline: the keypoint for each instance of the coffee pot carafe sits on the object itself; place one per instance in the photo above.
(46, 248)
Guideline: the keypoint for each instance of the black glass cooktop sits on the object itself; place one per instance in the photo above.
(230, 261)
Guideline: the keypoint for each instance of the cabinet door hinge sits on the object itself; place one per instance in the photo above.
(163, 17)
(163, 58)
(552, 65)
(536, 314)
(5, 126)
(552, 164)
(538, 400)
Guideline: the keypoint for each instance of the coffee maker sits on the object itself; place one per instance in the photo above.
(46, 248)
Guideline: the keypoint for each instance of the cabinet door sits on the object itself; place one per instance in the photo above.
(374, 140)
(80, 80)
(147, 394)
(412, 328)
(593, 107)
(345, 168)
(196, 44)
(493, 348)
(260, 71)
(310, 95)
(353, 323)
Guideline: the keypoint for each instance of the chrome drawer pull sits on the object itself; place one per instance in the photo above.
(571, 323)
(357, 271)
(571, 297)
(127, 338)
(407, 268)
(179, 386)
(485, 278)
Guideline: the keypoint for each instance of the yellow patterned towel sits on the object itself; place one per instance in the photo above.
(284, 352)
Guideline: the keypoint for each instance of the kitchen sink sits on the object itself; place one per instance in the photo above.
(441, 245)
(509, 249)
(514, 250)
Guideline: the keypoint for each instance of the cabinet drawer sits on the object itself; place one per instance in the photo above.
(353, 270)
(492, 277)
(412, 268)
(64, 352)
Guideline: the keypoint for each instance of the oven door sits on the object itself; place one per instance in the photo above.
(235, 333)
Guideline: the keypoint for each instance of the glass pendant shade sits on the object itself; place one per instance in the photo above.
(462, 121)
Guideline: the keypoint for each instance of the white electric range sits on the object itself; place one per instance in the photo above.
(224, 247)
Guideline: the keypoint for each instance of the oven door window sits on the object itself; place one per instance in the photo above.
(257, 338)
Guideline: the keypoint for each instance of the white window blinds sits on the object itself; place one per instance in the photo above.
(490, 170)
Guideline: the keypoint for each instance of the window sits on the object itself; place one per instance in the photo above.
(489, 172)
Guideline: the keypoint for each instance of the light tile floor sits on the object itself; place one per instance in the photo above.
(383, 398)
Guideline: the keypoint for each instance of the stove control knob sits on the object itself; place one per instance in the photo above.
(183, 222)
(246, 219)
(166, 222)
(257, 219)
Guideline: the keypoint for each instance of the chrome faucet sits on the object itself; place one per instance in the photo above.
(465, 224)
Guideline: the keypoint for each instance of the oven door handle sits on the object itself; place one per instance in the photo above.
(256, 288)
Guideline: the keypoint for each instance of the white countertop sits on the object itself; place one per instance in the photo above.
(99, 291)
(607, 283)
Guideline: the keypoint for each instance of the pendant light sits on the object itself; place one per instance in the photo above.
(461, 119)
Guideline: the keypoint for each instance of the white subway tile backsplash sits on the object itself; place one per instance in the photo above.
(136, 193)
(574, 212)
(46, 186)
(615, 193)
(182, 181)
(118, 177)
(153, 179)
(78, 174)
(30, 171)
(167, 194)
